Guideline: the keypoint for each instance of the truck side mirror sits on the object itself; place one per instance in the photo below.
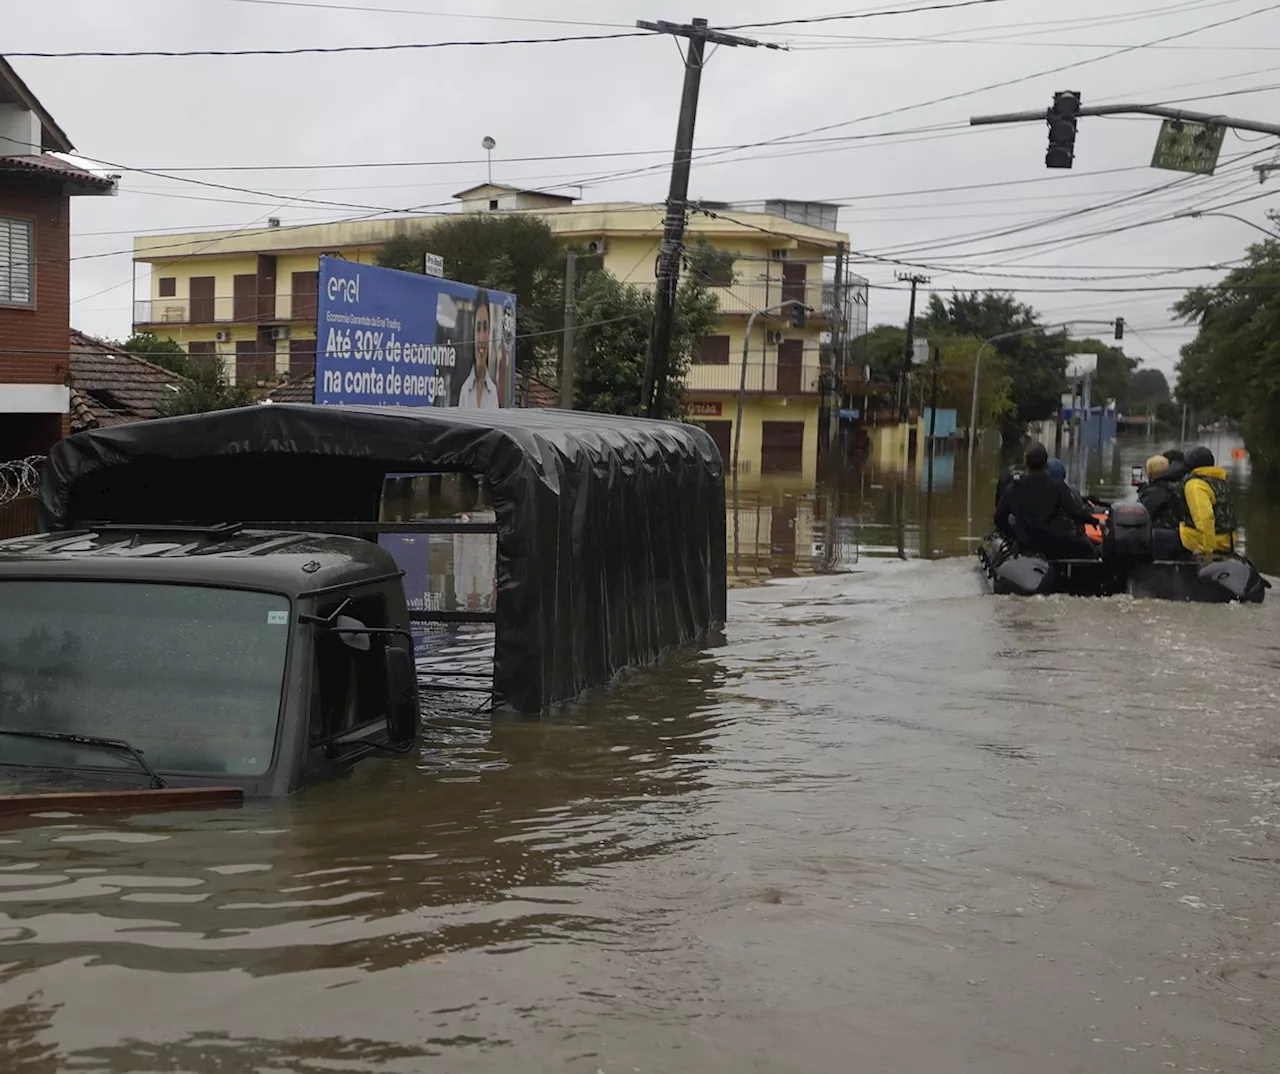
(352, 632)
(402, 696)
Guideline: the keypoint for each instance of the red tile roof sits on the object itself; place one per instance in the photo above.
(45, 166)
(302, 390)
(110, 386)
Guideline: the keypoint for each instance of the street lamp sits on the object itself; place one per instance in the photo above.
(1197, 214)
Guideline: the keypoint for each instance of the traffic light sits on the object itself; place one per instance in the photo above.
(1119, 328)
(797, 315)
(1062, 129)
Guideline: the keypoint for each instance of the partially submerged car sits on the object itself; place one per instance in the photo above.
(208, 606)
(218, 658)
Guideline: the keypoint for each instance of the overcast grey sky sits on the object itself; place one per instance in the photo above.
(873, 83)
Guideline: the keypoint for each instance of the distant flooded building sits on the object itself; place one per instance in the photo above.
(249, 297)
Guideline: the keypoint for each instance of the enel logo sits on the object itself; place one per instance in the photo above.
(346, 290)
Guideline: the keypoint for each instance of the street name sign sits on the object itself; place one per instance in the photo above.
(1183, 146)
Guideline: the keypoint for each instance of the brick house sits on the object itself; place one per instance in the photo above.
(36, 189)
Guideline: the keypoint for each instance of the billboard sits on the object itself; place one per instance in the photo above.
(391, 338)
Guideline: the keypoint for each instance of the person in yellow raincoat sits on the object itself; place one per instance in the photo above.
(1209, 523)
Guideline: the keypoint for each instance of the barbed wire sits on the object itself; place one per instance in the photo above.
(19, 477)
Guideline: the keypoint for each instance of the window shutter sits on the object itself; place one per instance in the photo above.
(17, 272)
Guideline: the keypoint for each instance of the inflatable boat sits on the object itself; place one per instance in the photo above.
(1126, 564)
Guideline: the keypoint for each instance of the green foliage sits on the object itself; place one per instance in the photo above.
(517, 254)
(1149, 386)
(709, 266)
(955, 382)
(161, 350)
(1036, 362)
(1232, 368)
(206, 389)
(884, 349)
(612, 341)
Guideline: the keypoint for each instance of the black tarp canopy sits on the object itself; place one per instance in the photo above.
(611, 531)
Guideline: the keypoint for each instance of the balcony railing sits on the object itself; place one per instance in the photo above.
(768, 377)
(742, 298)
(255, 309)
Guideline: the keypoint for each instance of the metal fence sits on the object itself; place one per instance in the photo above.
(19, 479)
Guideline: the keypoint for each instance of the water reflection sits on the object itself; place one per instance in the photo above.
(385, 869)
(880, 506)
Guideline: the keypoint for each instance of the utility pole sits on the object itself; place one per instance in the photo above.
(915, 279)
(839, 330)
(672, 248)
(568, 362)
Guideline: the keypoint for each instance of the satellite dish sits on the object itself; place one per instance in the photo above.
(488, 143)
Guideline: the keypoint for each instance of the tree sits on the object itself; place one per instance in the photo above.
(1232, 367)
(955, 381)
(161, 350)
(1149, 387)
(883, 349)
(612, 341)
(1036, 361)
(206, 389)
(517, 254)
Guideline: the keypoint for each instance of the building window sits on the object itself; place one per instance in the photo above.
(714, 350)
(168, 287)
(349, 687)
(493, 204)
(17, 267)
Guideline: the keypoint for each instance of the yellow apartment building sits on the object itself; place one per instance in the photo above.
(250, 298)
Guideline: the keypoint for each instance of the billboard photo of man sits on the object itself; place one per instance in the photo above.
(479, 391)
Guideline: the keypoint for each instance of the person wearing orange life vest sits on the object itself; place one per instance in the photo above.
(1207, 526)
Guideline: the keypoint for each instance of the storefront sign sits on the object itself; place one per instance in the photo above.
(704, 409)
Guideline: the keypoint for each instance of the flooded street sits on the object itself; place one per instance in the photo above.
(886, 823)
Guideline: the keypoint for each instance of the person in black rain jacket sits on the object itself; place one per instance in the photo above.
(1037, 512)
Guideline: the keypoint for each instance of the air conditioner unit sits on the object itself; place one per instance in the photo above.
(223, 335)
(596, 248)
(773, 337)
(280, 332)
(779, 254)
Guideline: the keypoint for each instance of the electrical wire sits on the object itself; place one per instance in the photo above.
(855, 15)
(320, 50)
(370, 10)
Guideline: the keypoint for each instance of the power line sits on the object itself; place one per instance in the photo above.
(321, 50)
(1015, 81)
(370, 10)
(851, 16)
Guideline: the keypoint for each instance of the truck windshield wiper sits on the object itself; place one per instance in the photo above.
(117, 745)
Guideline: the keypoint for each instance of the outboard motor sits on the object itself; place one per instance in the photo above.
(1126, 537)
(1227, 580)
(1024, 576)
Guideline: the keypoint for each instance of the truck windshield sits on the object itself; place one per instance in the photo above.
(191, 676)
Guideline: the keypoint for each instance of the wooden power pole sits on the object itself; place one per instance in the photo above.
(669, 254)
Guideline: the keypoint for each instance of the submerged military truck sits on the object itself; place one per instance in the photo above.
(207, 614)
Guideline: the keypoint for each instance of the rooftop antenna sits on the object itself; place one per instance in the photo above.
(488, 145)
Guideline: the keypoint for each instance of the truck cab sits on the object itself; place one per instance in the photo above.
(199, 657)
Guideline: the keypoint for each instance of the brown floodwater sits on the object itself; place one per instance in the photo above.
(887, 822)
